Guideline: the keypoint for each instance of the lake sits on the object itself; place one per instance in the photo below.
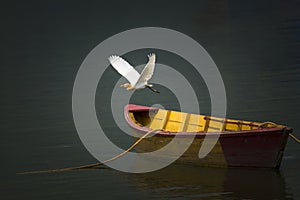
(255, 45)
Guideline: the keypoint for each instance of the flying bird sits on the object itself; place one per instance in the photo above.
(136, 81)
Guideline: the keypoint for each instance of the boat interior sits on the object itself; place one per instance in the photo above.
(174, 121)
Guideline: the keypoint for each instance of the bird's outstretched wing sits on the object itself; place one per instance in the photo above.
(148, 70)
(124, 68)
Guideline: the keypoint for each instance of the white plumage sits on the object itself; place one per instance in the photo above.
(136, 80)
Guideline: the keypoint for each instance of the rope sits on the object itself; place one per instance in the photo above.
(295, 138)
(268, 123)
(95, 164)
(274, 125)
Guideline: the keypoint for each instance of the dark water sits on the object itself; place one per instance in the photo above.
(256, 46)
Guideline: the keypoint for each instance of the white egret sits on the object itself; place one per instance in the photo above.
(136, 81)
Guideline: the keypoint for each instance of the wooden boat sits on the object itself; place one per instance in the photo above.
(240, 143)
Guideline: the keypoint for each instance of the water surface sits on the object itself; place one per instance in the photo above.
(255, 45)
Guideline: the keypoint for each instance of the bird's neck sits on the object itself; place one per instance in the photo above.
(130, 87)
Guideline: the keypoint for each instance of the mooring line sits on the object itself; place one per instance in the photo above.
(274, 125)
(295, 138)
(95, 164)
(113, 158)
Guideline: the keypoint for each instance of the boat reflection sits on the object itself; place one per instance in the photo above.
(182, 181)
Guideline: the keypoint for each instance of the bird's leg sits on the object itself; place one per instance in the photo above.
(153, 90)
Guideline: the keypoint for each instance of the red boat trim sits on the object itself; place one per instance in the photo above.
(137, 108)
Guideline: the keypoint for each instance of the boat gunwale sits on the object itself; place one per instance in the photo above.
(163, 133)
